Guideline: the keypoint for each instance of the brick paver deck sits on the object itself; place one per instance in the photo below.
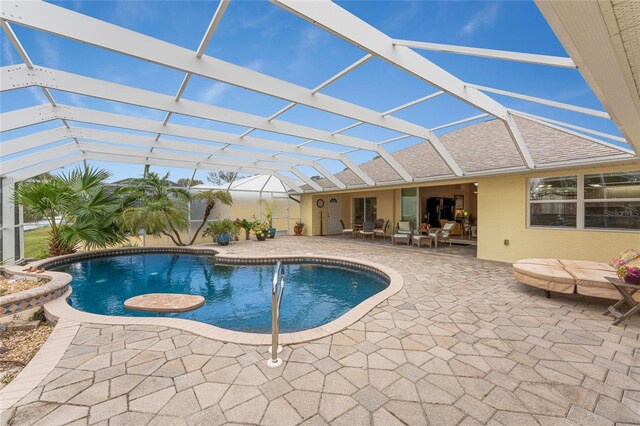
(462, 344)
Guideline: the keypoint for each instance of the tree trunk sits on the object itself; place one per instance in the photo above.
(172, 239)
(207, 212)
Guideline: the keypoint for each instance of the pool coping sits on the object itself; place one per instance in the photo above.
(60, 309)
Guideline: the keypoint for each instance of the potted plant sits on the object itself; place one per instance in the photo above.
(220, 230)
(269, 208)
(299, 226)
(630, 272)
(246, 225)
(261, 234)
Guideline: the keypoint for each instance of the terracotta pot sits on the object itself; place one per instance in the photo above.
(297, 230)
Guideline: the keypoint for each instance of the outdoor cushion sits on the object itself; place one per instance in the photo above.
(591, 277)
(601, 292)
(545, 284)
(535, 261)
(624, 257)
(404, 227)
(587, 264)
(544, 272)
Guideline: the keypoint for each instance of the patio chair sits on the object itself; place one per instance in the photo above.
(445, 234)
(367, 230)
(380, 230)
(404, 231)
(404, 227)
(346, 231)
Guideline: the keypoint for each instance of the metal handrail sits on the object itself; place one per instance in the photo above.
(276, 301)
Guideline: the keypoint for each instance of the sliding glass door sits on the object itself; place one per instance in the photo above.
(409, 205)
(365, 210)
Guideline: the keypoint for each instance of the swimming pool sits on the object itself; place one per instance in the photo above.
(237, 297)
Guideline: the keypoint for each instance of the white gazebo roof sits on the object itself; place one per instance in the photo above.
(92, 134)
(256, 183)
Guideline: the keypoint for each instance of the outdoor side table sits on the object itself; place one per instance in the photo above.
(627, 291)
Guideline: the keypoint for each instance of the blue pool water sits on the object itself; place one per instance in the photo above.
(237, 297)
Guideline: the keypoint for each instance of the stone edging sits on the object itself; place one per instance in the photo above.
(57, 285)
(59, 308)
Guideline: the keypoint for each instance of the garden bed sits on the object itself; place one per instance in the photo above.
(11, 285)
(20, 346)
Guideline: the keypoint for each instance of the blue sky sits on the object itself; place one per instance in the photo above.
(263, 37)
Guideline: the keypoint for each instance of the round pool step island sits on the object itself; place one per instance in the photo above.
(322, 295)
(164, 302)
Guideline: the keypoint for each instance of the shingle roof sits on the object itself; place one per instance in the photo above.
(473, 147)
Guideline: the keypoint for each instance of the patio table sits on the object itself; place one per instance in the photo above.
(626, 291)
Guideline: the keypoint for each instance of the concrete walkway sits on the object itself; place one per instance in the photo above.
(462, 344)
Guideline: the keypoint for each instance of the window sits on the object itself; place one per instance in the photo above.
(594, 201)
(553, 201)
(612, 201)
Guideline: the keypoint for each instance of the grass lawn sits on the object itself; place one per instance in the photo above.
(35, 242)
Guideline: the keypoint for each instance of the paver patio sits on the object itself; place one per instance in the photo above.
(462, 343)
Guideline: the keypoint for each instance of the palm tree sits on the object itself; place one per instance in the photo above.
(210, 198)
(155, 205)
(77, 206)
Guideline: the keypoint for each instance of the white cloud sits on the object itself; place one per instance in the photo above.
(7, 51)
(49, 51)
(128, 13)
(309, 40)
(76, 99)
(484, 18)
(213, 92)
(36, 92)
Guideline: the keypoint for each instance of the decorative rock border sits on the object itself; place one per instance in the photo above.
(60, 309)
(27, 300)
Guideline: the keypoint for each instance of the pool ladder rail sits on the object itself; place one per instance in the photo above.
(276, 301)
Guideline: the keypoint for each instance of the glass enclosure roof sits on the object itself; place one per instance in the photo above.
(353, 94)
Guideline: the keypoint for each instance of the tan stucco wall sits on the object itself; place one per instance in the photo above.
(386, 206)
(502, 214)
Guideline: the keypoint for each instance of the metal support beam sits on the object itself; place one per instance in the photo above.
(464, 120)
(8, 222)
(521, 146)
(357, 170)
(29, 116)
(531, 58)
(306, 179)
(47, 166)
(548, 121)
(580, 135)
(336, 20)
(327, 174)
(20, 75)
(555, 104)
(342, 73)
(67, 23)
(412, 103)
